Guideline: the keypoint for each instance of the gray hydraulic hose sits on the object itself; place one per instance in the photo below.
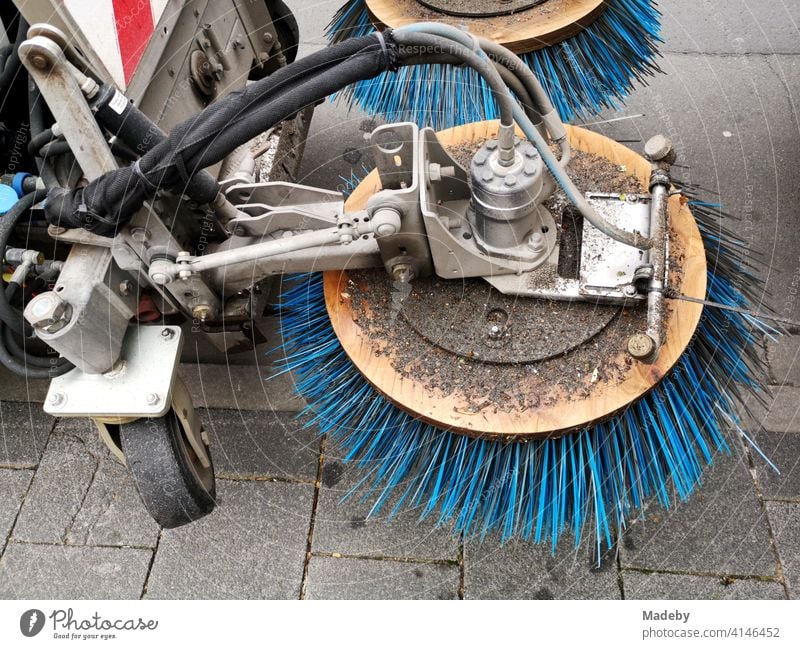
(633, 239)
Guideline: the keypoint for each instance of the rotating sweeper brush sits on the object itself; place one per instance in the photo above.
(587, 54)
(501, 327)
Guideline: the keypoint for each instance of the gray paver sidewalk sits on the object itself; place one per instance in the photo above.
(71, 524)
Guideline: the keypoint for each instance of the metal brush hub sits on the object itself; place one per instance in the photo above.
(479, 8)
(506, 208)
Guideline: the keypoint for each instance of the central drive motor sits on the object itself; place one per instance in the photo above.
(506, 213)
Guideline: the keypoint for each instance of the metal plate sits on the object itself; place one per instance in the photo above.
(139, 386)
(608, 265)
(474, 320)
(479, 8)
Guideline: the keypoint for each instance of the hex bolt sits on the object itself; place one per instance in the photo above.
(629, 290)
(510, 180)
(530, 169)
(530, 151)
(152, 399)
(140, 235)
(159, 278)
(57, 399)
(536, 242)
(488, 176)
(491, 145)
(48, 312)
(268, 38)
(480, 158)
(167, 334)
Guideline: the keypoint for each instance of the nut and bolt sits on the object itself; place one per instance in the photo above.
(480, 158)
(49, 312)
(437, 172)
(536, 242)
(57, 399)
(39, 62)
(167, 334)
(126, 288)
(495, 331)
(403, 273)
(510, 180)
(642, 347)
(140, 235)
(629, 290)
(159, 278)
(488, 176)
(268, 38)
(659, 149)
(530, 151)
(152, 399)
(202, 312)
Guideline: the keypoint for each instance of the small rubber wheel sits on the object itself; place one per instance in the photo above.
(175, 488)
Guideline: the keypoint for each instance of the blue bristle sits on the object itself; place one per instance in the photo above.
(594, 480)
(583, 75)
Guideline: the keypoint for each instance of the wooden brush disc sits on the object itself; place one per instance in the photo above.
(524, 31)
(558, 408)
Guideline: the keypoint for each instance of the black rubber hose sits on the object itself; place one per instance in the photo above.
(8, 314)
(196, 143)
(36, 116)
(23, 367)
(12, 64)
(39, 140)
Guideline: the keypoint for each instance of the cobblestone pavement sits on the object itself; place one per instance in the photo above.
(72, 526)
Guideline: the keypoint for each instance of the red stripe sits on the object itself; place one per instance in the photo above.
(134, 20)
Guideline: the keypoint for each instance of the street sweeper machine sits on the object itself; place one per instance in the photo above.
(511, 325)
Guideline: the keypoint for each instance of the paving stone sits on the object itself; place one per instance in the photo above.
(240, 387)
(730, 26)
(785, 521)
(345, 527)
(60, 485)
(13, 485)
(783, 449)
(343, 578)
(783, 355)
(720, 529)
(252, 546)
(247, 443)
(17, 388)
(640, 585)
(524, 570)
(68, 572)
(112, 512)
(781, 413)
(24, 429)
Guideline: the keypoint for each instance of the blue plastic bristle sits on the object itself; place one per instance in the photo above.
(591, 481)
(583, 75)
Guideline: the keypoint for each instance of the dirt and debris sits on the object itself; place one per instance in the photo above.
(455, 336)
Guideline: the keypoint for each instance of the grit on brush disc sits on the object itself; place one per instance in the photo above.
(526, 27)
(554, 367)
(479, 8)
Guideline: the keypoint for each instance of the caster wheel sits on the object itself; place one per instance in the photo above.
(171, 479)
